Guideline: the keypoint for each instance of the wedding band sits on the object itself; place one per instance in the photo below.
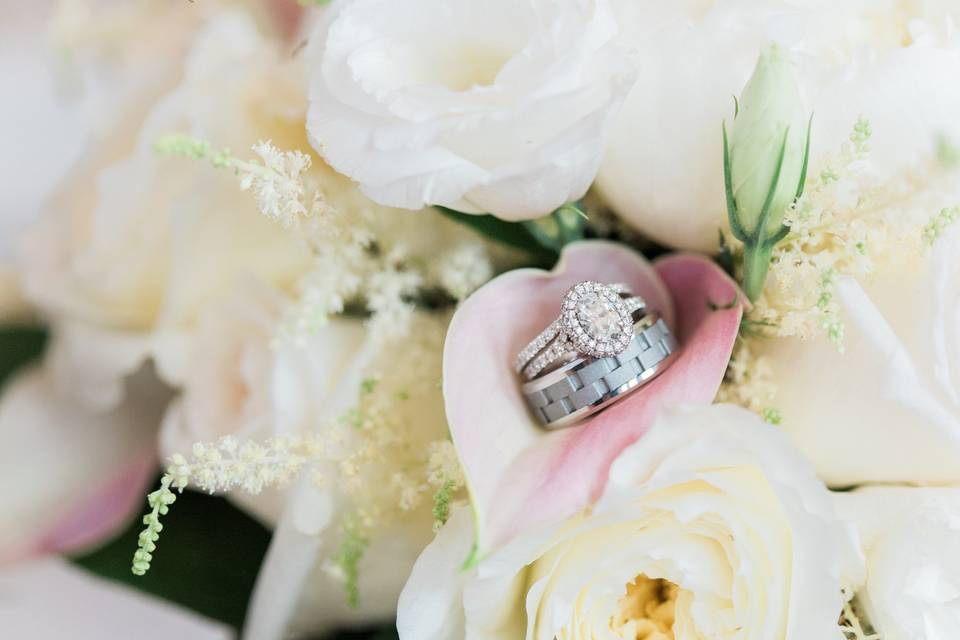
(562, 349)
(587, 385)
(594, 318)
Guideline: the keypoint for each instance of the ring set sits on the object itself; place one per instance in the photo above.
(604, 344)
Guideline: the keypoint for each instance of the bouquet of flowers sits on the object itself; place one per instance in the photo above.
(543, 319)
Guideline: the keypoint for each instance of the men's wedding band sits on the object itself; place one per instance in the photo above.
(587, 385)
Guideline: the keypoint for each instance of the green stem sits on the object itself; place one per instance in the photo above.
(756, 262)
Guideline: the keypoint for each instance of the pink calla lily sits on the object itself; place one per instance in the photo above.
(519, 475)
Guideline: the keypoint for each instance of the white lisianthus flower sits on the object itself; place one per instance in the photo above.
(496, 107)
(911, 540)
(883, 59)
(896, 381)
(710, 526)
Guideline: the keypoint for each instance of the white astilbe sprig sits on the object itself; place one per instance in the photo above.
(248, 466)
(219, 467)
(278, 184)
(850, 223)
(388, 456)
(276, 179)
(749, 383)
(361, 252)
(464, 269)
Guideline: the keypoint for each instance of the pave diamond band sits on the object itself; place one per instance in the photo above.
(594, 318)
(587, 384)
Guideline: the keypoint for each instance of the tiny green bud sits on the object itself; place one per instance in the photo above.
(767, 145)
(765, 161)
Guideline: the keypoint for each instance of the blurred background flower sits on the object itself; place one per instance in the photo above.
(884, 59)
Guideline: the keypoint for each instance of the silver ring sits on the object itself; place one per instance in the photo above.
(587, 385)
(594, 318)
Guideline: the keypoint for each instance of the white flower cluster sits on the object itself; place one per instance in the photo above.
(749, 382)
(278, 185)
(848, 224)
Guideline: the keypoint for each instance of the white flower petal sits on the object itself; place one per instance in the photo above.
(438, 103)
(910, 539)
(430, 606)
(712, 500)
(50, 599)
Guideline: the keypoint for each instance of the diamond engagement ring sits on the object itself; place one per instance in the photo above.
(587, 363)
(595, 320)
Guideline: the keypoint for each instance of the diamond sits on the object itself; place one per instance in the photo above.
(598, 315)
(598, 320)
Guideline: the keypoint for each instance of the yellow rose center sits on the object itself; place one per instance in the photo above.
(646, 611)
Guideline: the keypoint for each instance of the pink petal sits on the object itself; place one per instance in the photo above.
(518, 474)
(77, 475)
(288, 16)
(105, 510)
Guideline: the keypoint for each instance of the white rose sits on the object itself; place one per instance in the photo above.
(911, 540)
(496, 107)
(710, 526)
(896, 382)
(136, 243)
(885, 60)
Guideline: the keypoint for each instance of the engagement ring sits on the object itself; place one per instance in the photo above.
(595, 320)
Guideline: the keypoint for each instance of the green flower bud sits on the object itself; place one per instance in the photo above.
(765, 161)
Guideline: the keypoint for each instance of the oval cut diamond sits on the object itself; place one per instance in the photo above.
(596, 319)
(598, 316)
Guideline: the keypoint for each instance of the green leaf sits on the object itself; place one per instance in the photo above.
(511, 234)
(735, 227)
(19, 346)
(211, 554)
(806, 161)
(565, 225)
(759, 234)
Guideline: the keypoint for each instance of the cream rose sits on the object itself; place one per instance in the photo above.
(497, 107)
(897, 380)
(136, 244)
(885, 60)
(709, 526)
(911, 540)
